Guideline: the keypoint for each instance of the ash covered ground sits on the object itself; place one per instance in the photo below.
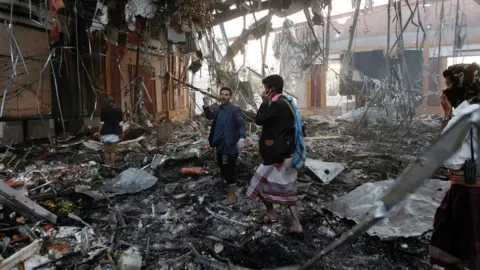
(179, 218)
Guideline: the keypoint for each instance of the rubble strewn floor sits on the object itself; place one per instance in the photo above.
(179, 211)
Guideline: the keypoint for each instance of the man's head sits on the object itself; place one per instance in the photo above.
(273, 84)
(463, 83)
(225, 95)
(109, 101)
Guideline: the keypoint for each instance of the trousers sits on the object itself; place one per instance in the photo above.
(228, 170)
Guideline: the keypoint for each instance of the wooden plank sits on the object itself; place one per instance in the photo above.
(19, 203)
(318, 138)
(22, 255)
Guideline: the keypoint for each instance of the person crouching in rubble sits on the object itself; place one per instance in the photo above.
(111, 129)
(227, 135)
(274, 181)
(455, 241)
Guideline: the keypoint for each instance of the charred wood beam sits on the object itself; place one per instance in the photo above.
(19, 203)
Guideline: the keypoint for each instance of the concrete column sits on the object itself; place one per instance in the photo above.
(323, 87)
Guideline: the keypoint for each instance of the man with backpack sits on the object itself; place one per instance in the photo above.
(283, 152)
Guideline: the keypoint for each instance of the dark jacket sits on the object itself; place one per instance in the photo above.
(111, 118)
(234, 128)
(278, 130)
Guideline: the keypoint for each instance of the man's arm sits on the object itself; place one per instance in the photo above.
(265, 113)
(122, 123)
(102, 121)
(208, 113)
(238, 118)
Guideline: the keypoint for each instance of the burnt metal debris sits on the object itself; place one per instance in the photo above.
(165, 213)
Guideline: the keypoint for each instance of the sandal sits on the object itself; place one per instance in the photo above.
(264, 220)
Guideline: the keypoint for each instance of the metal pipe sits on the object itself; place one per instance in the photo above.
(58, 97)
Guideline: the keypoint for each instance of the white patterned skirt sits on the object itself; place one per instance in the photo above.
(275, 183)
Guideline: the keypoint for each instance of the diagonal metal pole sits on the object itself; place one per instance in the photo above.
(346, 59)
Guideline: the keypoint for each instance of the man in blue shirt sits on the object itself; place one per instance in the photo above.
(227, 135)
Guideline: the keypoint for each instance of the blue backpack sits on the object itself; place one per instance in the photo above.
(300, 153)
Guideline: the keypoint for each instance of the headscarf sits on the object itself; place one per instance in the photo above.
(465, 83)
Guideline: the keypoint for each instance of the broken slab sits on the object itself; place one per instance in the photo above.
(19, 203)
(130, 181)
(413, 217)
(324, 171)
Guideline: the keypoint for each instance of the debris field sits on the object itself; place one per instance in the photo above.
(160, 208)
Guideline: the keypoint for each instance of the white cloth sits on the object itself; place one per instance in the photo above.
(110, 138)
(120, 124)
(280, 185)
(240, 145)
(456, 161)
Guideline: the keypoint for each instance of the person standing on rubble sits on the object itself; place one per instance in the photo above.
(111, 130)
(227, 135)
(455, 241)
(274, 181)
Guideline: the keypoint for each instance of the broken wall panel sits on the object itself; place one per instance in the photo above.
(127, 65)
(21, 97)
(150, 85)
(175, 95)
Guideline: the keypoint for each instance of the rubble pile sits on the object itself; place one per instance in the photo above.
(160, 208)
